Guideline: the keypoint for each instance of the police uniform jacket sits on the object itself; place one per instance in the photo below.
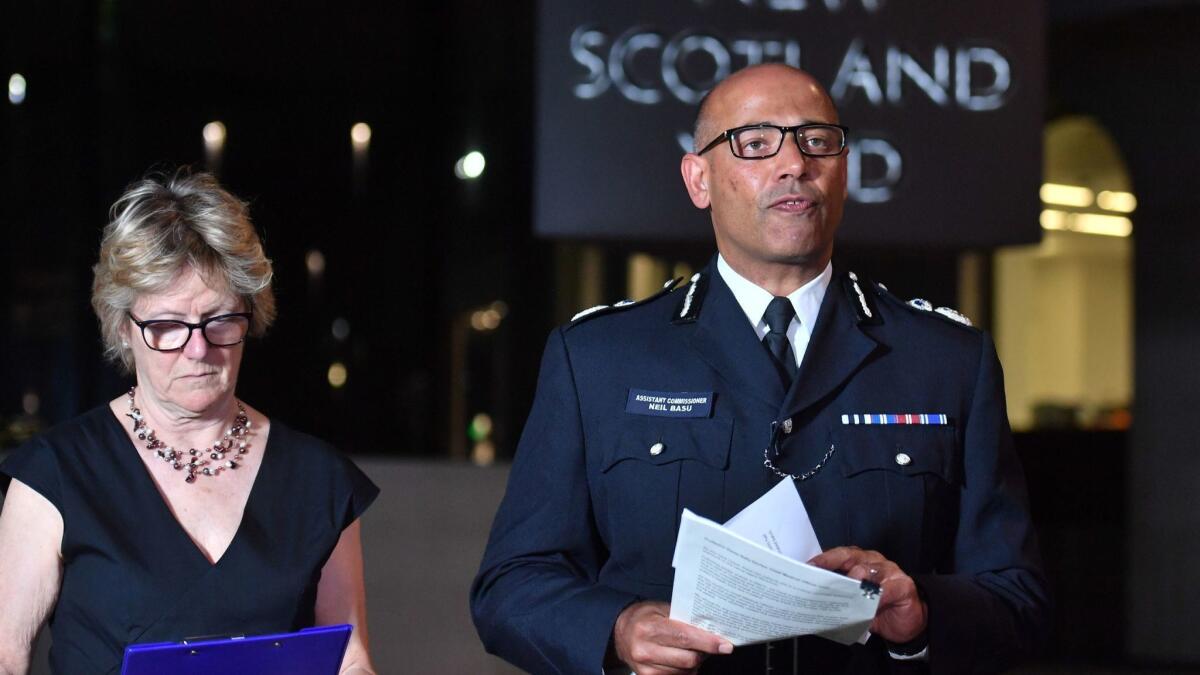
(588, 523)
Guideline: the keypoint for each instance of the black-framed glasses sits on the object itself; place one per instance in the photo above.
(169, 335)
(761, 141)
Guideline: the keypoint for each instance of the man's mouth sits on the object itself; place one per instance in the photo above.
(793, 204)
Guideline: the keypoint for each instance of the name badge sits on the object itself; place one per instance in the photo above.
(670, 403)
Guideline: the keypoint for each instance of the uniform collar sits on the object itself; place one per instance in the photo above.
(753, 299)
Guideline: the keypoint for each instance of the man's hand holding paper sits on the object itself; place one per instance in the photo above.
(747, 583)
(743, 583)
(651, 643)
(902, 614)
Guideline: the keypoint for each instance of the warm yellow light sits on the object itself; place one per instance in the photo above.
(314, 260)
(360, 136)
(1066, 195)
(490, 319)
(1087, 223)
(483, 453)
(1095, 223)
(214, 135)
(1054, 220)
(1112, 200)
(337, 375)
(487, 319)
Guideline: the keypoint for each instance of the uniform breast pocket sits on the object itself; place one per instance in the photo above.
(904, 450)
(646, 463)
(902, 483)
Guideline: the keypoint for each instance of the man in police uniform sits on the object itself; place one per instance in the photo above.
(767, 366)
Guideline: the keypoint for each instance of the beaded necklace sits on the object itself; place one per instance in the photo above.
(194, 461)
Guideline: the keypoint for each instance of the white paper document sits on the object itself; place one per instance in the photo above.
(779, 521)
(743, 591)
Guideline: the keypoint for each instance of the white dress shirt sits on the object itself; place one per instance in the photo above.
(806, 300)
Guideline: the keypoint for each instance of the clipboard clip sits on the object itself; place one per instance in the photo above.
(870, 589)
(206, 638)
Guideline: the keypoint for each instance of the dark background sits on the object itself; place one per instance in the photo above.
(117, 86)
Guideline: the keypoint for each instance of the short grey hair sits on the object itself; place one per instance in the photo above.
(163, 224)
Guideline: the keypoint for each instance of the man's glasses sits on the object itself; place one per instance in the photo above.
(168, 335)
(760, 141)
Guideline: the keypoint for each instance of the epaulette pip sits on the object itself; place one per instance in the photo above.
(600, 310)
(923, 306)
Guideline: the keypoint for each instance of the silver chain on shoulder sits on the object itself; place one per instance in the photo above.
(801, 476)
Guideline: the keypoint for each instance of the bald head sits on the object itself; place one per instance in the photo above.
(735, 91)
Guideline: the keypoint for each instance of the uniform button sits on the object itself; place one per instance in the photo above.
(787, 426)
(656, 449)
(903, 459)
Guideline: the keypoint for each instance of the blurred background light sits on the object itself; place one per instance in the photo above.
(1095, 223)
(214, 136)
(489, 317)
(360, 136)
(1053, 219)
(483, 451)
(1113, 200)
(340, 329)
(481, 427)
(470, 165)
(1087, 223)
(1066, 195)
(30, 403)
(337, 375)
(16, 89)
(314, 260)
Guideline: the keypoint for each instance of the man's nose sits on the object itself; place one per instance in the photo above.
(790, 161)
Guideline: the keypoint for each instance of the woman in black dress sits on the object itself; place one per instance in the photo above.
(176, 509)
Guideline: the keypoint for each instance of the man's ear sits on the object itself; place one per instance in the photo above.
(695, 172)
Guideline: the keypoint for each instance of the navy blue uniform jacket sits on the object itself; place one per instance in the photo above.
(589, 520)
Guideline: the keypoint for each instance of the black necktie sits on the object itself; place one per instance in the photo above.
(778, 317)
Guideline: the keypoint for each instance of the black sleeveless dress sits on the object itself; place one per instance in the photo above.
(132, 574)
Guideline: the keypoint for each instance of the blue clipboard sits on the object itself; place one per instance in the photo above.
(312, 651)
